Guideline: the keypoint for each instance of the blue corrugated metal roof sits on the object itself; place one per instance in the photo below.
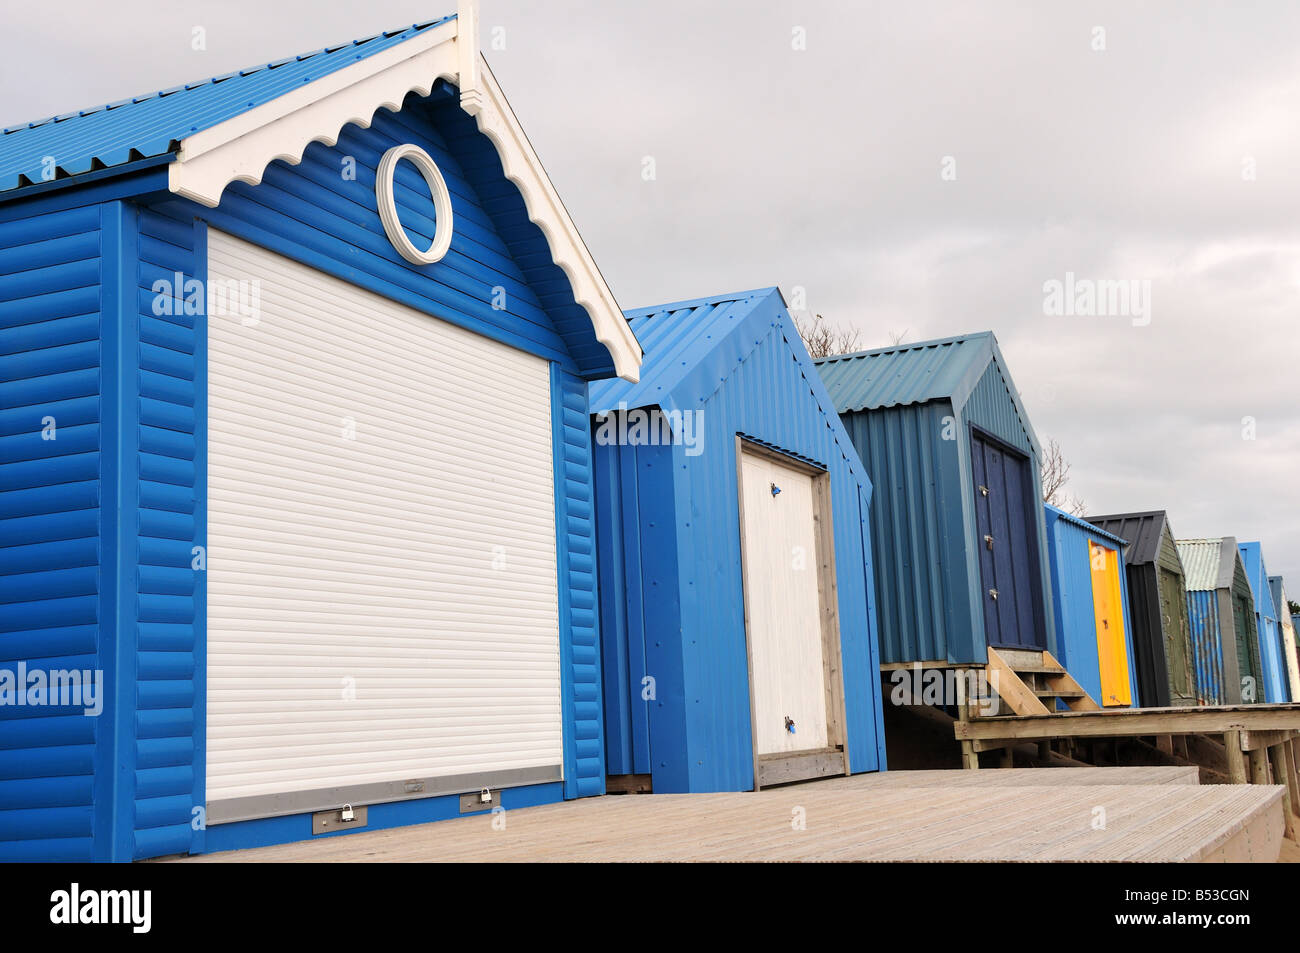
(153, 125)
(676, 339)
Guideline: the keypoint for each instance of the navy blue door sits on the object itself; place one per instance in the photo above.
(1004, 494)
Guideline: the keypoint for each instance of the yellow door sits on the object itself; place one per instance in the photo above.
(1108, 611)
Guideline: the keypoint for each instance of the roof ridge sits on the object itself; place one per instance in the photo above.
(688, 303)
(214, 80)
(899, 348)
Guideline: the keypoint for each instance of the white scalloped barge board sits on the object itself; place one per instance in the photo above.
(240, 149)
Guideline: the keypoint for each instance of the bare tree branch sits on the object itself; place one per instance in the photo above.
(824, 340)
(1054, 471)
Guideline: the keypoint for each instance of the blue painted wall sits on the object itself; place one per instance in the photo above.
(55, 495)
(1072, 598)
(669, 543)
(114, 511)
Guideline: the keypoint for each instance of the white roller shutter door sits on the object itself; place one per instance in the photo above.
(382, 606)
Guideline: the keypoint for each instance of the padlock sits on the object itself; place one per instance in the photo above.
(347, 815)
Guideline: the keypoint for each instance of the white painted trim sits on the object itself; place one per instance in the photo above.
(496, 120)
(241, 148)
(387, 203)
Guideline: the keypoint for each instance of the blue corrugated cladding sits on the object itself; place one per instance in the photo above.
(1068, 545)
(134, 434)
(52, 494)
(927, 607)
(1207, 645)
(584, 770)
(171, 472)
(923, 518)
(669, 528)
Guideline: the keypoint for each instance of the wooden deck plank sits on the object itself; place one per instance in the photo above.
(1129, 722)
(1022, 777)
(880, 821)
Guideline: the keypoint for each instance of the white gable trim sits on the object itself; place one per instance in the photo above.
(241, 148)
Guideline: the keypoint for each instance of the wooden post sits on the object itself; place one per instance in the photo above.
(1008, 757)
(1259, 766)
(1165, 743)
(1280, 755)
(1045, 750)
(970, 758)
(1236, 763)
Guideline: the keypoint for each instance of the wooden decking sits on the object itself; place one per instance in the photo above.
(1021, 777)
(1118, 815)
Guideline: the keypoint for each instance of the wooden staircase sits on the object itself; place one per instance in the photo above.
(1029, 683)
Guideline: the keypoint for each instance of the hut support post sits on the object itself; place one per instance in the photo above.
(1259, 766)
(970, 758)
(1284, 773)
(1236, 761)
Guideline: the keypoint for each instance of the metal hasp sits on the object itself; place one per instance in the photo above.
(345, 818)
(484, 800)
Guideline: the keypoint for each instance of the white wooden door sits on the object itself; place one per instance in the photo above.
(788, 677)
(382, 609)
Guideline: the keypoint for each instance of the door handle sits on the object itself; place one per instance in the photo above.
(988, 541)
(994, 594)
(984, 491)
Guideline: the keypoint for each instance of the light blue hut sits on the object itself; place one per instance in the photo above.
(1090, 594)
(737, 613)
(1276, 687)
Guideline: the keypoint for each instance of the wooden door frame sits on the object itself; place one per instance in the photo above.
(828, 603)
(1033, 508)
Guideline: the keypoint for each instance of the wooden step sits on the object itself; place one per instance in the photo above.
(1031, 682)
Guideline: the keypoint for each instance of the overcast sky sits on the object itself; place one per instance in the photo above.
(1170, 156)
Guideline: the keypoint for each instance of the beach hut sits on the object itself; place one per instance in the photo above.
(957, 519)
(1221, 607)
(1157, 607)
(1090, 595)
(293, 429)
(737, 627)
(1275, 687)
(1289, 658)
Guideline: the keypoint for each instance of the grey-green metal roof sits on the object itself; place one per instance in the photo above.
(942, 369)
(1204, 564)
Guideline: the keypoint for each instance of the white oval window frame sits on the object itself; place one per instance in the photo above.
(387, 202)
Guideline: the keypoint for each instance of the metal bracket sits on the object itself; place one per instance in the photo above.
(483, 800)
(345, 818)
